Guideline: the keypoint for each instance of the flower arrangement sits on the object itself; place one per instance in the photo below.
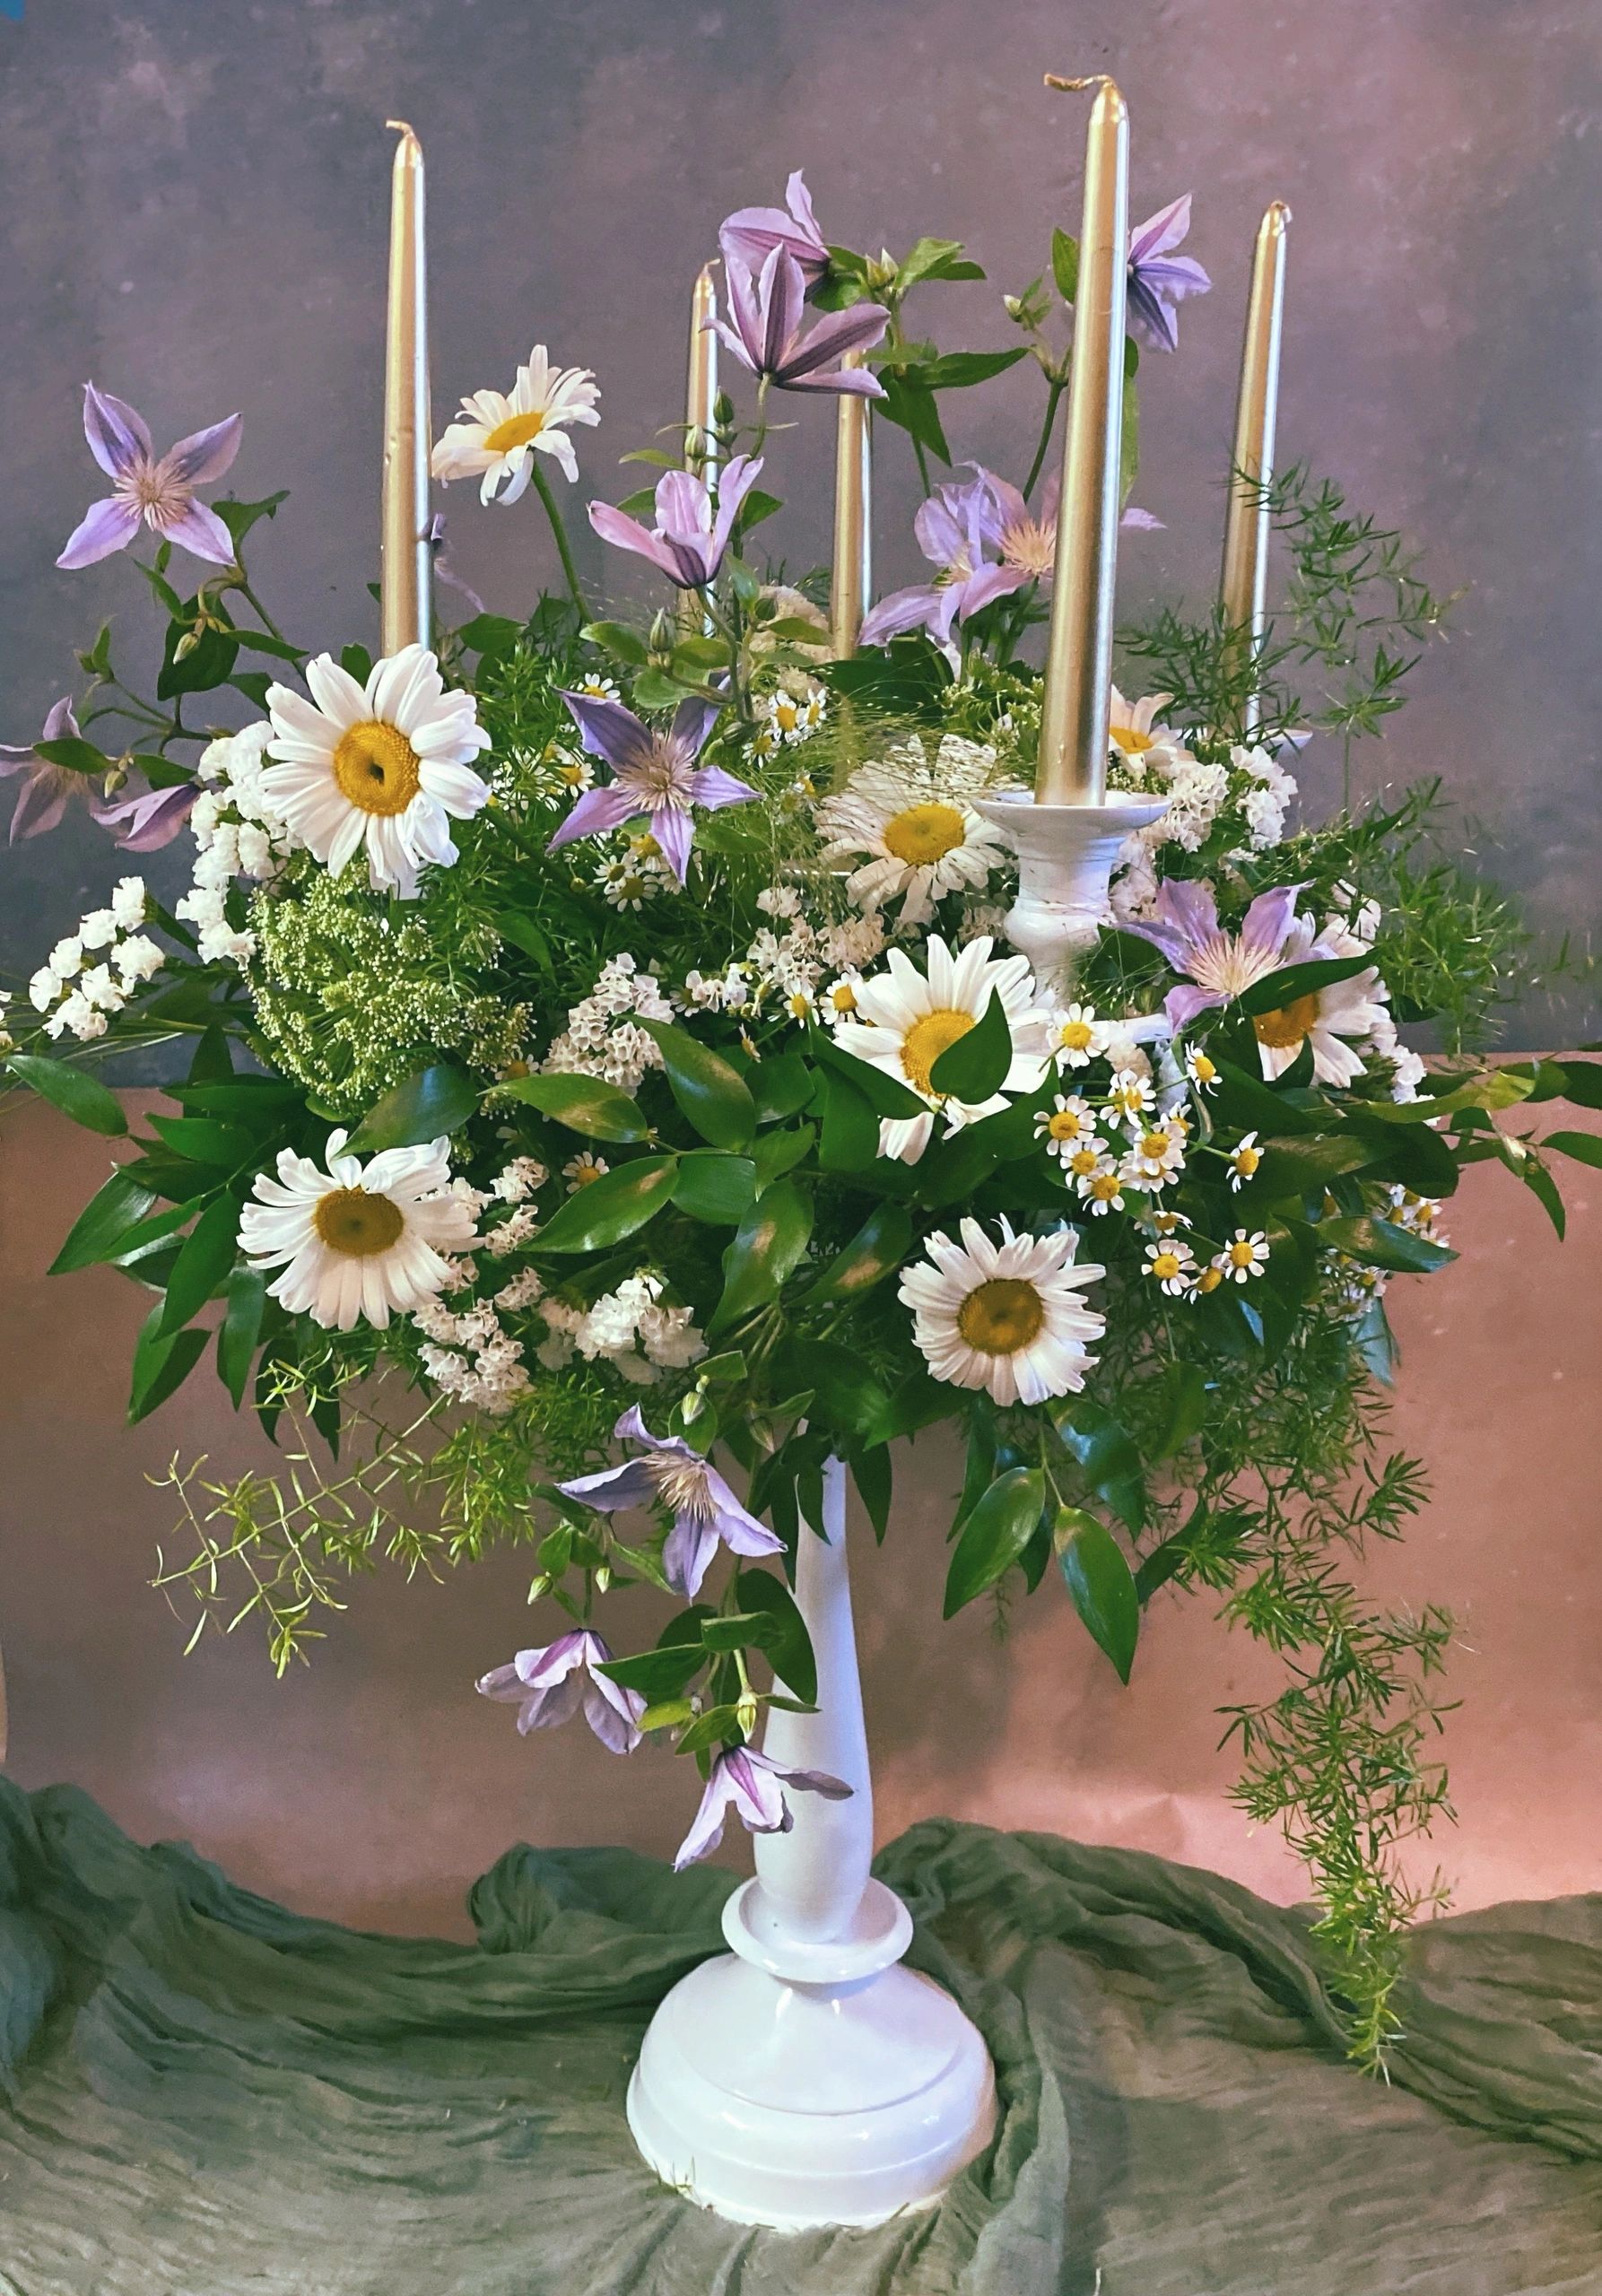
(604, 1034)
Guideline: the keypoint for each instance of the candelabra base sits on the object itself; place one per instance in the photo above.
(1066, 859)
(799, 2081)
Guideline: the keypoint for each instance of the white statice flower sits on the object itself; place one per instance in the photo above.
(561, 1322)
(497, 434)
(1242, 1258)
(519, 1179)
(1009, 1318)
(1133, 893)
(98, 988)
(634, 1332)
(206, 909)
(907, 1019)
(384, 767)
(129, 903)
(723, 992)
(780, 900)
(511, 1234)
(98, 929)
(911, 829)
(67, 958)
(784, 965)
(854, 943)
(600, 1040)
(356, 1241)
(77, 1016)
(43, 989)
(1170, 1264)
(526, 1289)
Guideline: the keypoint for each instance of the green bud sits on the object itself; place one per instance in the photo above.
(537, 1585)
(185, 645)
(745, 1713)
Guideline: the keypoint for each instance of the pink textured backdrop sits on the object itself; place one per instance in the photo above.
(374, 1785)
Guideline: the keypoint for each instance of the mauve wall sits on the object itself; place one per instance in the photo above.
(194, 214)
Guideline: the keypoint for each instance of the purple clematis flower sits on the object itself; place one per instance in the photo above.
(652, 772)
(705, 1511)
(1160, 279)
(766, 335)
(48, 789)
(694, 522)
(145, 824)
(157, 493)
(749, 235)
(953, 528)
(750, 1784)
(1221, 966)
(551, 1685)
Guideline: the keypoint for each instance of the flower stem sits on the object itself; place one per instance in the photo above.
(563, 552)
(1052, 396)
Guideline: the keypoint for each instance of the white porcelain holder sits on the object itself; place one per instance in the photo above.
(1066, 854)
(806, 2077)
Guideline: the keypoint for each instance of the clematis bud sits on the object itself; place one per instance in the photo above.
(745, 1713)
(185, 645)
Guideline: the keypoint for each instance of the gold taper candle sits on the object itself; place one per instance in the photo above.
(700, 453)
(1073, 757)
(405, 615)
(1243, 590)
(850, 587)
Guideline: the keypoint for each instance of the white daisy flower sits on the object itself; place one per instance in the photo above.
(1201, 1071)
(1244, 1159)
(839, 999)
(596, 688)
(356, 1240)
(1087, 1157)
(1157, 1156)
(1139, 742)
(1242, 1258)
(800, 1003)
(907, 1019)
(626, 884)
(1080, 1037)
(1170, 1264)
(1421, 1214)
(1102, 1186)
(384, 766)
(912, 833)
(579, 1170)
(500, 437)
(1007, 1317)
(1326, 1017)
(1069, 1123)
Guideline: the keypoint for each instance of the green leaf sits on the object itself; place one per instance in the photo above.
(847, 1398)
(1585, 1147)
(777, 1152)
(162, 1361)
(1102, 1584)
(994, 1535)
(1582, 1083)
(780, 1086)
(919, 1401)
(715, 1187)
(253, 684)
(972, 1068)
(1277, 990)
(240, 1329)
(667, 1671)
(784, 1635)
(1108, 1458)
(209, 1251)
(203, 1140)
(770, 1243)
(1381, 1243)
(238, 517)
(1376, 1342)
(930, 259)
(1065, 266)
(876, 1250)
(1245, 1103)
(849, 1138)
(604, 1211)
(211, 1062)
(668, 1714)
(1493, 1089)
(206, 665)
(616, 639)
(910, 404)
(1185, 1407)
(873, 1474)
(263, 642)
(959, 370)
(584, 1104)
(1541, 1184)
(524, 934)
(437, 1100)
(74, 753)
(718, 1725)
(72, 1091)
(712, 1095)
(1302, 1163)
(489, 635)
(105, 1220)
(884, 1094)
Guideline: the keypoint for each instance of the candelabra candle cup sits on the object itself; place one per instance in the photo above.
(806, 2077)
(1066, 859)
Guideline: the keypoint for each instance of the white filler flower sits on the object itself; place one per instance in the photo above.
(385, 766)
(1005, 1317)
(498, 436)
(356, 1240)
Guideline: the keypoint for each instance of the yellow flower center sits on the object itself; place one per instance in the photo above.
(1001, 1316)
(922, 834)
(786, 715)
(1241, 1254)
(1203, 1070)
(1286, 1024)
(1209, 1279)
(583, 1172)
(1247, 1160)
(843, 997)
(1062, 1123)
(1127, 740)
(1166, 1266)
(375, 767)
(574, 776)
(800, 1005)
(1077, 1036)
(926, 1040)
(1156, 1146)
(516, 430)
(1104, 1186)
(351, 1221)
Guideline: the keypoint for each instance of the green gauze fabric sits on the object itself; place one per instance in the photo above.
(210, 2096)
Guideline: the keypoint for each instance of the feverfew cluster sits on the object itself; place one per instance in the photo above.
(1239, 807)
(599, 1040)
(94, 973)
(791, 713)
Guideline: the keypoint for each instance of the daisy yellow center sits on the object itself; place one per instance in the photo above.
(375, 767)
(1083, 1160)
(1247, 1160)
(1203, 1069)
(1001, 1316)
(1062, 1123)
(1209, 1279)
(1130, 742)
(1286, 1024)
(920, 835)
(516, 430)
(843, 997)
(926, 1040)
(1104, 1186)
(1076, 1036)
(1242, 1254)
(351, 1221)
(786, 715)
(583, 1173)
(1166, 1266)
(1155, 1146)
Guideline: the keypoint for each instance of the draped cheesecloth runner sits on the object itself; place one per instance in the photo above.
(210, 2095)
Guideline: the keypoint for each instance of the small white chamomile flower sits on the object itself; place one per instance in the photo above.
(1069, 1123)
(1244, 1159)
(582, 1170)
(1170, 1265)
(1244, 1257)
(1081, 1038)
